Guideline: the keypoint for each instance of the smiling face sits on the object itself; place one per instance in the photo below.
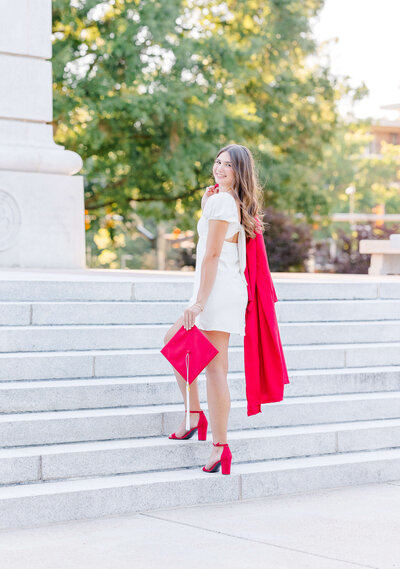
(223, 171)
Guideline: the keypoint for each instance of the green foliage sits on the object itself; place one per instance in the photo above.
(378, 180)
(116, 243)
(147, 91)
(347, 162)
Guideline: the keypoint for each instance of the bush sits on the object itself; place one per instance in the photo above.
(287, 243)
(349, 259)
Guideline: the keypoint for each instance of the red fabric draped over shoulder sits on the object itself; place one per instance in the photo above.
(264, 361)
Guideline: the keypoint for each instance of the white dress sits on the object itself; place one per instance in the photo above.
(225, 307)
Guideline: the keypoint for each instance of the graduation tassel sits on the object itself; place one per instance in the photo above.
(187, 393)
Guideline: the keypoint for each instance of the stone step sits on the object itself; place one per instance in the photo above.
(286, 289)
(50, 427)
(75, 288)
(125, 363)
(167, 312)
(142, 336)
(15, 313)
(334, 290)
(352, 332)
(337, 311)
(48, 502)
(104, 458)
(88, 393)
(86, 312)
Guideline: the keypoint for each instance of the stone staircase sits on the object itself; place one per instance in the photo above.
(87, 400)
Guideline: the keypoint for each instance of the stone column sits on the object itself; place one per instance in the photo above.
(41, 203)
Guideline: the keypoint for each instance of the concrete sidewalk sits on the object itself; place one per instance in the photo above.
(340, 528)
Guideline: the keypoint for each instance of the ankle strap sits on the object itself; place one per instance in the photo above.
(220, 444)
(195, 411)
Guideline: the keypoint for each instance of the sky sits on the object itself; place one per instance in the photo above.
(367, 49)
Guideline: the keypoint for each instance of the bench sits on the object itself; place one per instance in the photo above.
(385, 255)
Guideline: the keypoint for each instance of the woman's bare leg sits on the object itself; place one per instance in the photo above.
(218, 396)
(194, 388)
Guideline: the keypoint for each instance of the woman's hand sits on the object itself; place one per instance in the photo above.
(210, 190)
(189, 316)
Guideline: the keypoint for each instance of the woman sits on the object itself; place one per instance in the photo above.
(219, 299)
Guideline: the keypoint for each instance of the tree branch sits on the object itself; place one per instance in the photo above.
(141, 199)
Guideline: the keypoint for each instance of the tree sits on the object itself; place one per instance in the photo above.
(147, 91)
(347, 161)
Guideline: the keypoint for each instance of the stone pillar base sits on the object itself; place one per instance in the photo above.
(41, 220)
(384, 264)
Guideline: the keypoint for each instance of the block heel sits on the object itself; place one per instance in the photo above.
(225, 461)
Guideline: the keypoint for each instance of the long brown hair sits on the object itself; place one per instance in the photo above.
(246, 187)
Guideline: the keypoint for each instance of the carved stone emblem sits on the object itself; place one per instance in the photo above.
(10, 220)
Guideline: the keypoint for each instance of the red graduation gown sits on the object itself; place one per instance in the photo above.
(264, 361)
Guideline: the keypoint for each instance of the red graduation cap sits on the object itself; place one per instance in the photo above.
(189, 352)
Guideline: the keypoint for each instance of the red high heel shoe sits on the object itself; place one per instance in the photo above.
(201, 429)
(225, 460)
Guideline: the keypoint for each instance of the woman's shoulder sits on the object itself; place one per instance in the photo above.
(224, 194)
(223, 197)
(222, 204)
(220, 200)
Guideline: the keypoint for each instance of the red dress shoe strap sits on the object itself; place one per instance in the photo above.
(224, 462)
(201, 429)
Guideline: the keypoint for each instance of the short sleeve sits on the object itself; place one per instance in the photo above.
(221, 206)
